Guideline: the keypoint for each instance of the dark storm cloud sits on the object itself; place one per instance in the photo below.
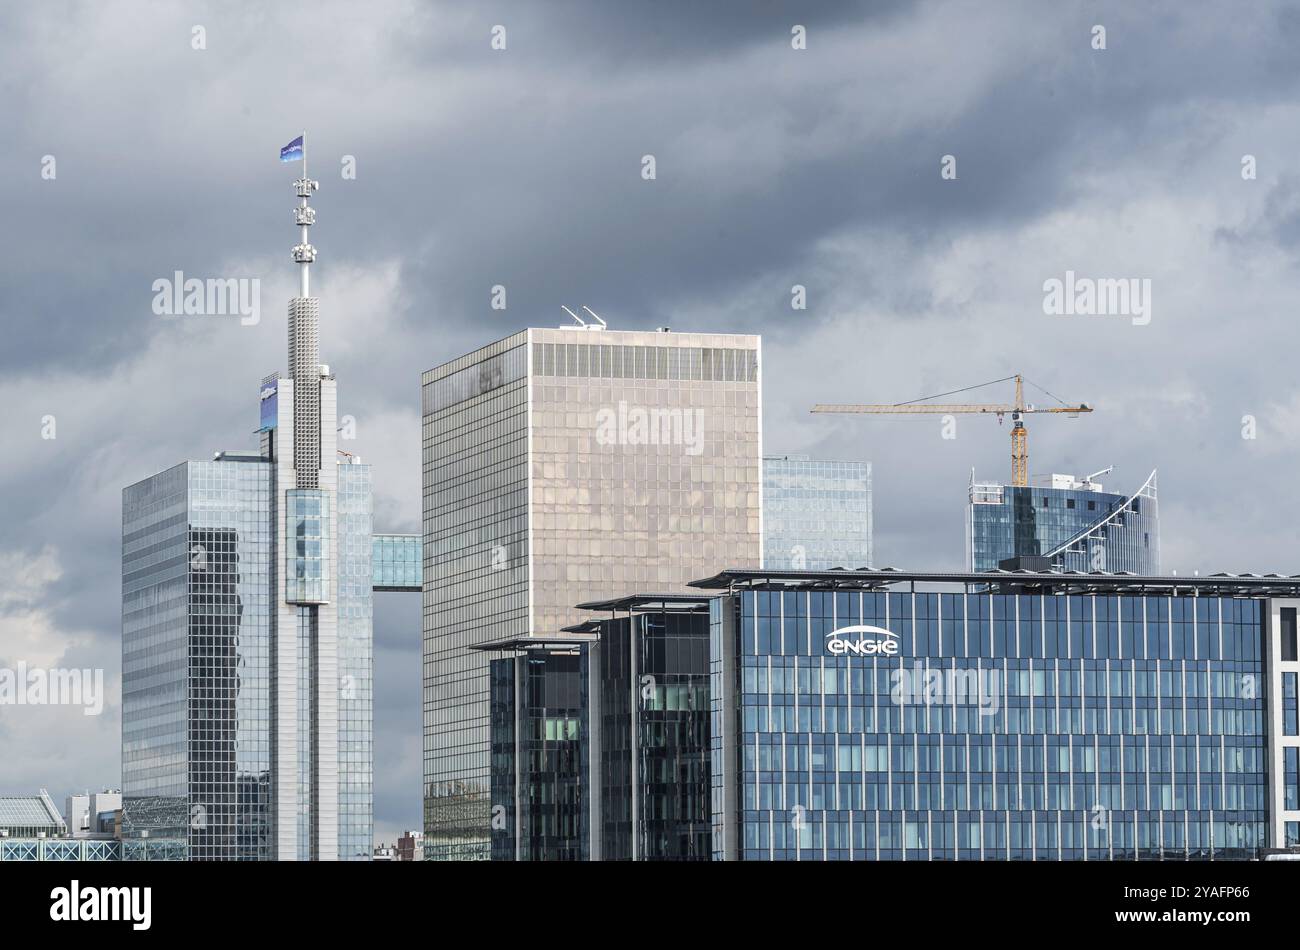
(666, 34)
(551, 187)
(523, 168)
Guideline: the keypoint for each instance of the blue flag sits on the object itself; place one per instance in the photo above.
(293, 151)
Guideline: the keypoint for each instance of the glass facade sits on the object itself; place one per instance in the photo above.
(398, 561)
(1291, 778)
(355, 611)
(981, 725)
(653, 773)
(1290, 713)
(816, 514)
(476, 561)
(1078, 529)
(561, 465)
(307, 633)
(540, 756)
(645, 464)
(600, 740)
(30, 816)
(196, 632)
(307, 547)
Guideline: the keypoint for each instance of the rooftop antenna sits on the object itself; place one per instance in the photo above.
(304, 216)
(304, 343)
(597, 317)
(581, 322)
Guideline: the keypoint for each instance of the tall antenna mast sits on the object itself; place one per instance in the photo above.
(304, 342)
(304, 216)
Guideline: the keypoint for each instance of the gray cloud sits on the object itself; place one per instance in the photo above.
(522, 168)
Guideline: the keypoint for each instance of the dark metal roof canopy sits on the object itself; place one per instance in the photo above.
(524, 644)
(1058, 582)
(644, 603)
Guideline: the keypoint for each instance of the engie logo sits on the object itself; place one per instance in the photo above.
(862, 640)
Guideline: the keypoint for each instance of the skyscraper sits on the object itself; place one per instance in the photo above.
(561, 465)
(816, 513)
(247, 630)
(1073, 523)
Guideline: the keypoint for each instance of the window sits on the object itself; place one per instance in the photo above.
(1290, 712)
(1288, 634)
(1069, 502)
(1291, 778)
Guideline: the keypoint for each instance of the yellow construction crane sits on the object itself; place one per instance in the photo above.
(1019, 434)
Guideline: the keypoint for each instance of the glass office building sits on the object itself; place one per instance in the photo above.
(197, 548)
(540, 751)
(816, 513)
(561, 465)
(1073, 523)
(940, 717)
(600, 737)
(651, 721)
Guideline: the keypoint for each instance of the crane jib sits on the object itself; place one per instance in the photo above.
(1019, 432)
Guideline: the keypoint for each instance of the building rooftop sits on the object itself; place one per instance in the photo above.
(1056, 582)
(621, 336)
(30, 811)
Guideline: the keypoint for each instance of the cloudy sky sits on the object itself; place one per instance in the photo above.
(130, 154)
